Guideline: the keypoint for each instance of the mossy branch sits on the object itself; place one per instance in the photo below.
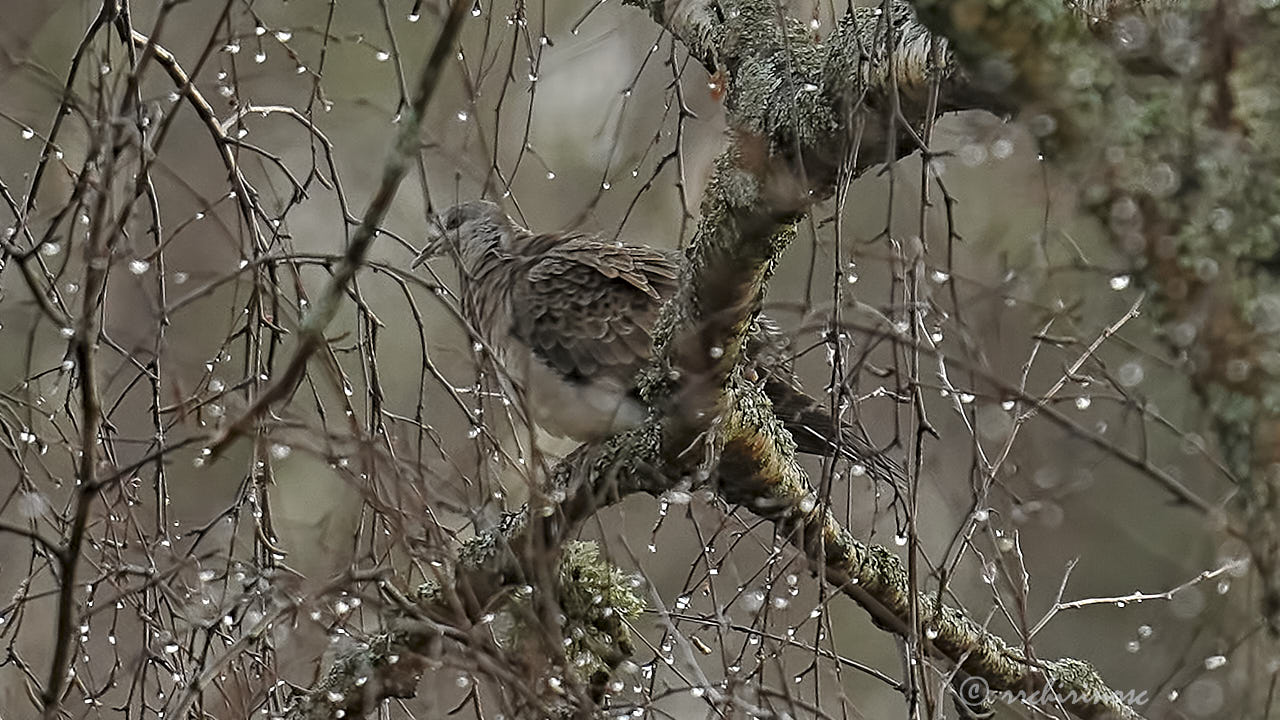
(796, 106)
(1173, 129)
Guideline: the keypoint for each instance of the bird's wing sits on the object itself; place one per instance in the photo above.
(587, 307)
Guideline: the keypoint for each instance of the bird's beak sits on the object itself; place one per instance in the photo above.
(433, 247)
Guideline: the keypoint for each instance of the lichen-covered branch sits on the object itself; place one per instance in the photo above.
(798, 109)
(1172, 128)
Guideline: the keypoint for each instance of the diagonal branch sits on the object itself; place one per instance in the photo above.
(798, 108)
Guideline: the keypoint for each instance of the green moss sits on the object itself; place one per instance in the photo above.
(596, 601)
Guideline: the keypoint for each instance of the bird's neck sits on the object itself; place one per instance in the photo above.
(486, 284)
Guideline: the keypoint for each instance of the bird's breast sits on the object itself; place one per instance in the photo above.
(582, 410)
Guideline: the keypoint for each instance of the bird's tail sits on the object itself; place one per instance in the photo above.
(817, 433)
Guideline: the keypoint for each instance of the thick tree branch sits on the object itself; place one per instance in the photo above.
(1175, 135)
(797, 108)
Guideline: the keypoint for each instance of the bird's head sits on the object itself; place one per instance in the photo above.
(471, 228)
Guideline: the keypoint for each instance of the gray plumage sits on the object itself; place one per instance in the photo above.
(571, 317)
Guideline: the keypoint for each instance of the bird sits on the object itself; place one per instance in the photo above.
(570, 318)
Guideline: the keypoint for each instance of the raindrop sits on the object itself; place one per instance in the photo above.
(462, 116)
(137, 266)
(988, 573)
(382, 56)
(414, 17)
(28, 133)
(284, 35)
(1083, 402)
(232, 47)
(260, 56)
(1119, 282)
(1130, 373)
